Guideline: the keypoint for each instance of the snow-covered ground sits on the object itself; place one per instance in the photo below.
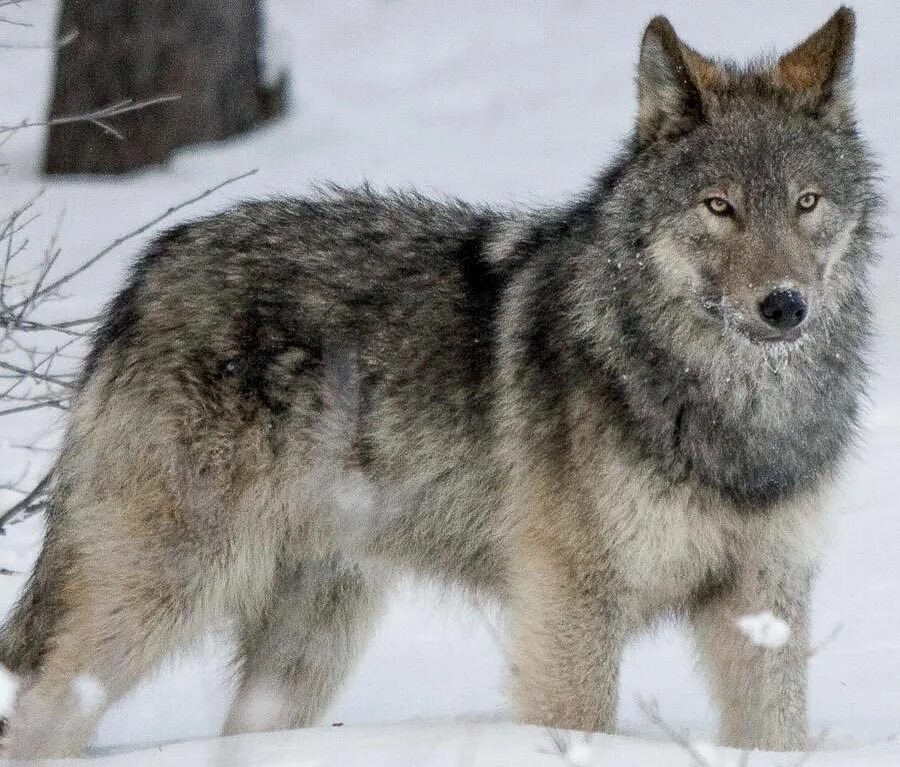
(501, 101)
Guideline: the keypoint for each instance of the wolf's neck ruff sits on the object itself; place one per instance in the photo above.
(755, 427)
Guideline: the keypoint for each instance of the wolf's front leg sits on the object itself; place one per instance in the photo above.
(567, 643)
(760, 690)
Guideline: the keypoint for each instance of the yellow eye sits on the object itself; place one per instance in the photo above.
(807, 202)
(718, 206)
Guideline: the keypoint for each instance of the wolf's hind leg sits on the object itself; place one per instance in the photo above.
(109, 634)
(297, 651)
(110, 597)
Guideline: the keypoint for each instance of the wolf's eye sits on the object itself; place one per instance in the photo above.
(807, 202)
(718, 206)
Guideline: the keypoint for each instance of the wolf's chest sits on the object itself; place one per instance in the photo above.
(665, 546)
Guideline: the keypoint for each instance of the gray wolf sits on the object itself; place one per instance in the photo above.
(603, 415)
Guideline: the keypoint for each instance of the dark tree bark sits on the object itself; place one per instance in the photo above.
(205, 51)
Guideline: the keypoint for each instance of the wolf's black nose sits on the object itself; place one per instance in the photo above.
(783, 309)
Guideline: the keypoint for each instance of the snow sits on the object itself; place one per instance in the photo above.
(440, 744)
(713, 756)
(581, 754)
(9, 686)
(514, 103)
(89, 694)
(765, 630)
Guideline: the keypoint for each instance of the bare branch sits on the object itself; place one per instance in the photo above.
(37, 405)
(131, 235)
(14, 22)
(827, 640)
(39, 375)
(15, 4)
(34, 326)
(650, 709)
(96, 116)
(57, 381)
(32, 502)
(14, 484)
(51, 253)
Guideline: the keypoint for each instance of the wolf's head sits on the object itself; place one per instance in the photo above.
(749, 182)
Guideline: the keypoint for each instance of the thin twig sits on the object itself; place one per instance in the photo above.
(34, 326)
(40, 383)
(103, 113)
(135, 232)
(650, 709)
(50, 255)
(559, 741)
(55, 380)
(14, 22)
(825, 641)
(44, 403)
(28, 501)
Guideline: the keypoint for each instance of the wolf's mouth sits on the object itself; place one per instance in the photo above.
(754, 331)
(783, 336)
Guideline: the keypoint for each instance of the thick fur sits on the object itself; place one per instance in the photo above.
(571, 410)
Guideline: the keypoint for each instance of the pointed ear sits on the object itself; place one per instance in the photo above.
(671, 81)
(819, 72)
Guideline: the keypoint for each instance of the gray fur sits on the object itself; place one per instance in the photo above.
(577, 411)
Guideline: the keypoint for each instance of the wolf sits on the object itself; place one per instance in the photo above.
(602, 415)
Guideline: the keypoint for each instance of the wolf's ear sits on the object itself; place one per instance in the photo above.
(818, 70)
(671, 81)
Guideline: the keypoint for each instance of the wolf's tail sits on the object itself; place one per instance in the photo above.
(30, 625)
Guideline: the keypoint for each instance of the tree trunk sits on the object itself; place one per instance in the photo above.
(204, 51)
